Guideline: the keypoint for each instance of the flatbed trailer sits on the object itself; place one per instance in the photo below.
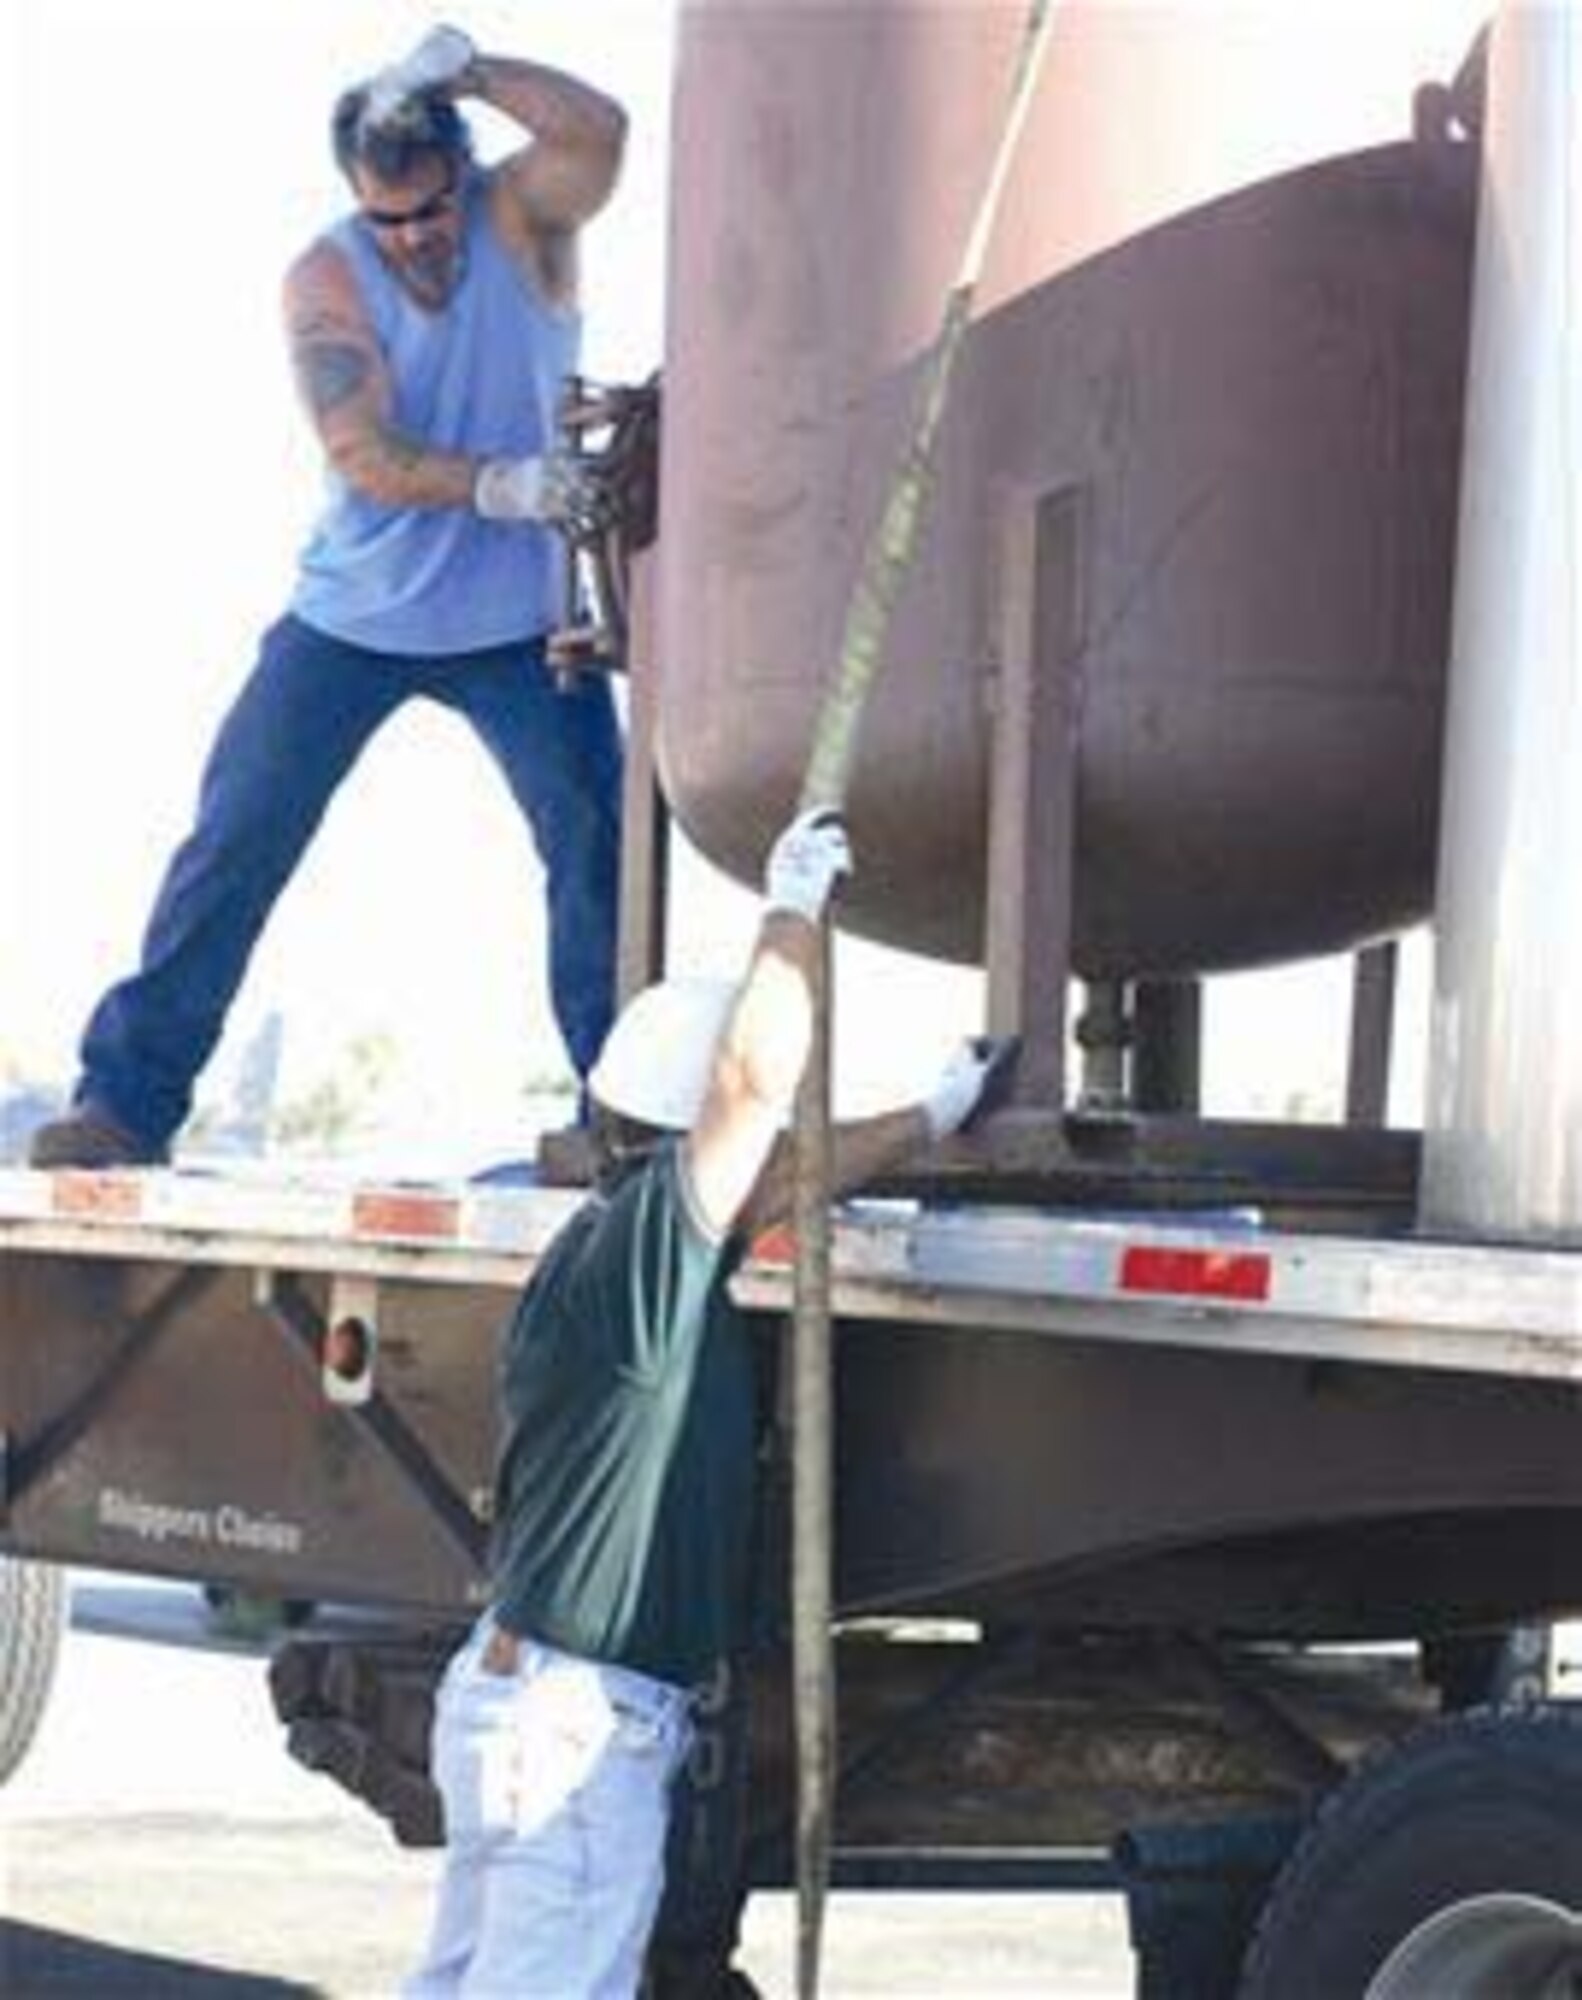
(370, 1308)
(1116, 1493)
(1141, 1431)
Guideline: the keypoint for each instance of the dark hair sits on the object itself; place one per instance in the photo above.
(426, 126)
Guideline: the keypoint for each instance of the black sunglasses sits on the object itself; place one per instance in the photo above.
(439, 203)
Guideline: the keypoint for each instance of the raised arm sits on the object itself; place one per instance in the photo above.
(763, 1047)
(569, 172)
(738, 1164)
(544, 193)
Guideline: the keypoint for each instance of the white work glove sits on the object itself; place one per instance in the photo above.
(806, 862)
(438, 62)
(954, 1097)
(552, 487)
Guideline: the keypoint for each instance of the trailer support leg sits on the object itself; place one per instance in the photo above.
(1372, 1029)
(645, 821)
(1033, 786)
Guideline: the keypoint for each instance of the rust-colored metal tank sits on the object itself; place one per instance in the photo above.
(1225, 310)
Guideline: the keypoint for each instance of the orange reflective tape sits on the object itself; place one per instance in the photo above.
(114, 1197)
(396, 1212)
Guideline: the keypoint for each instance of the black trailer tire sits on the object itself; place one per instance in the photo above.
(1482, 1805)
(32, 1618)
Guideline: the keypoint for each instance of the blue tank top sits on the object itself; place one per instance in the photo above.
(480, 376)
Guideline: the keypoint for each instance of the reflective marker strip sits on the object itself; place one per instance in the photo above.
(413, 1216)
(776, 1245)
(388, 1212)
(1202, 1274)
(115, 1197)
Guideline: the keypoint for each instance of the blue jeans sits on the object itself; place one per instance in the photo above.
(296, 729)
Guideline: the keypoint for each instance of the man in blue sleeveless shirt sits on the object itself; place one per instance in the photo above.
(632, 1410)
(430, 332)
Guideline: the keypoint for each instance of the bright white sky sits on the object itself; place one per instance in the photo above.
(168, 160)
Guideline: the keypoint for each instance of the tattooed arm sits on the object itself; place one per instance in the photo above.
(345, 386)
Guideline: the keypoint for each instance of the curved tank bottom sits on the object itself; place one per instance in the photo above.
(1252, 406)
(1025, 1480)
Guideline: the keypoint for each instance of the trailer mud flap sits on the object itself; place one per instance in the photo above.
(1193, 1894)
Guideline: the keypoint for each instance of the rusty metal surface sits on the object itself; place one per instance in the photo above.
(1070, 1420)
(1254, 383)
(955, 1747)
(1065, 1484)
(211, 1449)
(1043, 1479)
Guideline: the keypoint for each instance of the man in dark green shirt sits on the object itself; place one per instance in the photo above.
(625, 1497)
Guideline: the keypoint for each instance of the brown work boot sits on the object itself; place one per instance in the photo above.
(90, 1137)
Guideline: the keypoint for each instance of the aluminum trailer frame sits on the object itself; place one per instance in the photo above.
(1121, 1445)
(1057, 1418)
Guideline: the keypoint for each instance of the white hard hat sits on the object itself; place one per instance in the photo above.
(655, 1064)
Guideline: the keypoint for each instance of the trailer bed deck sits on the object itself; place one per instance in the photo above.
(1222, 1282)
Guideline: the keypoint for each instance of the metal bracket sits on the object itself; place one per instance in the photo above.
(282, 1297)
(1033, 786)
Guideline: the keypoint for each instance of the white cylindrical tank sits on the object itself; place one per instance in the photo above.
(1504, 1124)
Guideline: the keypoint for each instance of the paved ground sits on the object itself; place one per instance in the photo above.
(160, 1843)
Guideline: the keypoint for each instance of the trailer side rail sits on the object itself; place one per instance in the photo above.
(1220, 1282)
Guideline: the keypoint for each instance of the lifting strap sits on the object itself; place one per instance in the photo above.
(886, 562)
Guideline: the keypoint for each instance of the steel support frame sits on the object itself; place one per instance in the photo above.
(1033, 775)
(375, 1419)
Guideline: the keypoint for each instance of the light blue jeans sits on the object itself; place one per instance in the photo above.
(555, 1780)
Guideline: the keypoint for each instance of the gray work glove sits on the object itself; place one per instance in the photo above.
(439, 62)
(551, 487)
(955, 1096)
(806, 862)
